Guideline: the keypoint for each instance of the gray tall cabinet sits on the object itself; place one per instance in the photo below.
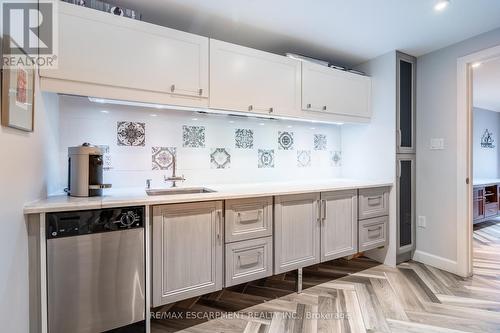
(406, 154)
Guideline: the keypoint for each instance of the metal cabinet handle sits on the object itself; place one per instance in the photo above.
(371, 199)
(219, 224)
(198, 92)
(254, 108)
(319, 210)
(323, 203)
(322, 108)
(259, 255)
(374, 229)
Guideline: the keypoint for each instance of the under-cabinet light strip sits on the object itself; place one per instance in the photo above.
(201, 109)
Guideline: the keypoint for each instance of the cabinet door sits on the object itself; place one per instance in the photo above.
(339, 224)
(99, 48)
(187, 251)
(334, 91)
(406, 89)
(249, 80)
(478, 204)
(297, 232)
(405, 189)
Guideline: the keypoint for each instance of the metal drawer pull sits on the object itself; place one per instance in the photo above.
(249, 262)
(374, 229)
(253, 108)
(322, 108)
(219, 224)
(323, 203)
(199, 91)
(375, 201)
(250, 216)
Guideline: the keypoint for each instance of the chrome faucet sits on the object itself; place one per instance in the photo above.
(174, 179)
(148, 183)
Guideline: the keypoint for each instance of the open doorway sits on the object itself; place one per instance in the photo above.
(485, 165)
(467, 210)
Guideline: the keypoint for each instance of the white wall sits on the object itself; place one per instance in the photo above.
(437, 169)
(27, 168)
(84, 121)
(485, 160)
(369, 151)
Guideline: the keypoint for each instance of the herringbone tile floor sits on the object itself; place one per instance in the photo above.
(356, 296)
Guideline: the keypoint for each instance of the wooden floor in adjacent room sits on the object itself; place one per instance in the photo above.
(355, 296)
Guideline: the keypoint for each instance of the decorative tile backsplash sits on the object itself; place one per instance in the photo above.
(266, 158)
(162, 157)
(220, 158)
(193, 136)
(243, 138)
(320, 142)
(285, 140)
(142, 142)
(131, 133)
(303, 158)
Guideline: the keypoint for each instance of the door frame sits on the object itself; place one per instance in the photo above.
(464, 156)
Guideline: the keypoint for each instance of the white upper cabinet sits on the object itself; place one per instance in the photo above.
(332, 91)
(249, 80)
(112, 52)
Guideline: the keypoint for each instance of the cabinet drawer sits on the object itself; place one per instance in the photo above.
(491, 209)
(372, 233)
(249, 260)
(373, 202)
(248, 218)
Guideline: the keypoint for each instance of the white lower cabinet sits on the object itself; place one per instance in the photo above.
(187, 246)
(296, 231)
(339, 224)
(249, 260)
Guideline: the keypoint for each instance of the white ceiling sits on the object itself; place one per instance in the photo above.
(486, 86)
(344, 31)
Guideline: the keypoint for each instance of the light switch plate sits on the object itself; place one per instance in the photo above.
(422, 221)
(437, 143)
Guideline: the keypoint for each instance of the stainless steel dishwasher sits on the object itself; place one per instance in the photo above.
(96, 271)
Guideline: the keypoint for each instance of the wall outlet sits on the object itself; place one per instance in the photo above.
(437, 143)
(422, 221)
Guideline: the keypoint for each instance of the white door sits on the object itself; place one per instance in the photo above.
(187, 250)
(297, 232)
(99, 48)
(249, 80)
(334, 91)
(339, 224)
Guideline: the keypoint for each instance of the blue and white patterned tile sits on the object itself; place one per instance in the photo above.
(266, 158)
(162, 157)
(106, 156)
(193, 136)
(336, 158)
(303, 158)
(285, 140)
(243, 138)
(131, 133)
(320, 142)
(220, 158)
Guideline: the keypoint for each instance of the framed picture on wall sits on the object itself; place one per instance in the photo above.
(18, 85)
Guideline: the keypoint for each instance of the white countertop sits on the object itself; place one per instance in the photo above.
(485, 181)
(138, 196)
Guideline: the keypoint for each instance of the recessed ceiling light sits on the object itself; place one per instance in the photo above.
(476, 65)
(154, 115)
(194, 119)
(104, 111)
(441, 5)
(261, 124)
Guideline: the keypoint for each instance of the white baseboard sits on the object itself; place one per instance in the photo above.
(436, 261)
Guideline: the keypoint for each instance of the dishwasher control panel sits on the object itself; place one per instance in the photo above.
(77, 223)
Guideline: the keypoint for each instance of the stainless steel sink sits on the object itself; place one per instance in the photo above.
(181, 190)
